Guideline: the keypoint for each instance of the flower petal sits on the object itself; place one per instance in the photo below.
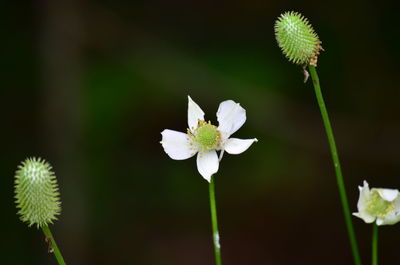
(362, 204)
(231, 116)
(207, 164)
(366, 218)
(388, 194)
(390, 219)
(236, 146)
(397, 205)
(364, 196)
(194, 114)
(177, 145)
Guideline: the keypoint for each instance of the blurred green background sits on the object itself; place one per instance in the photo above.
(89, 86)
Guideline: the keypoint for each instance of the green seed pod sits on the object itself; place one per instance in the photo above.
(297, 39)
(36, 193)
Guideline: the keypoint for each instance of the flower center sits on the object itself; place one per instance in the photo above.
(378, 206)
(206, 136)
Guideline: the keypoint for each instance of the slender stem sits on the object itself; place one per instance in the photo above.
(53, 245)
(336, 163)
(375, 245)
(213, 207)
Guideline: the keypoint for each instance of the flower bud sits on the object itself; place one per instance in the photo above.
(36, 192)
(297, 39)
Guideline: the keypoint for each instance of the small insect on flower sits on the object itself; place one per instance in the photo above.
(204, 139)
(36, 192)
(378, 205)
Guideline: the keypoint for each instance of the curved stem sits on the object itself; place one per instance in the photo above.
(53, 245)
(375, 245)
(214, 221)
(336, 163)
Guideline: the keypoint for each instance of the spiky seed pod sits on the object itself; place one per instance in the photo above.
(36, 192)
(297, 39)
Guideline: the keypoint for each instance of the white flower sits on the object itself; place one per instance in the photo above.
(380, 205)
(204, 139)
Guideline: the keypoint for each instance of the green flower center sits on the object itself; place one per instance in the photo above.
(206, 136)
(378, 206)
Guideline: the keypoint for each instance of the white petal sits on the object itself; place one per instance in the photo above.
(397, 205)
(194, 114)
(362, 204)
(390, 219)
(236, 146)
(366, 218)
(364, 197)
(394, 216)
(231, 116)
(388, 194)
(207, 164)
(177, 145)
(365, 183)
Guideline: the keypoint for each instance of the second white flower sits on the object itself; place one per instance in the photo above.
(378, 205)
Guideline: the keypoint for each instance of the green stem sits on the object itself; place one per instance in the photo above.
(213, 207)
(53, 245)
(375, 245)
(336, 163)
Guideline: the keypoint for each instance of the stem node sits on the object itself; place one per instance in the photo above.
(52, 245)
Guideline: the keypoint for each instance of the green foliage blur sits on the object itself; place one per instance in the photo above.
(89, 86)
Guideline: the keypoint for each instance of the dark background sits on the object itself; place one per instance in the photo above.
(89, 86)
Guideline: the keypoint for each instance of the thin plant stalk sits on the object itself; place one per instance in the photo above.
(214, 221)
(53, 245)
(375, 245)
(336, 163)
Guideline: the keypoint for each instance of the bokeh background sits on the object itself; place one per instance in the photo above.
(89, 86)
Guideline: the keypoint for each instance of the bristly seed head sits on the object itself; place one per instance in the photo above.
(297, 39)
(36, 193)
(206, 136)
